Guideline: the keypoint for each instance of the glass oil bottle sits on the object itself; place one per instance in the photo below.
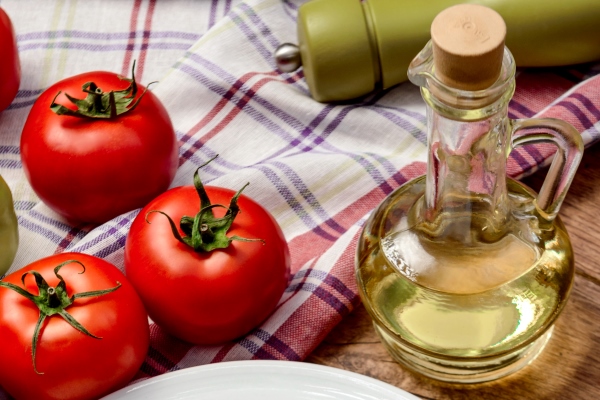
(464, 271)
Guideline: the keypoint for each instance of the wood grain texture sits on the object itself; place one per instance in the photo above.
(569, 367)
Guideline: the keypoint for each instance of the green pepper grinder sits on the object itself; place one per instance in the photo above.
(349, 48)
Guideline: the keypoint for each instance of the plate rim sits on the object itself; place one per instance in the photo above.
(337, 374)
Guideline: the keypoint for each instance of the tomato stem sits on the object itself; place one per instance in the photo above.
(99, 104)
(204, 232)
(53, 300)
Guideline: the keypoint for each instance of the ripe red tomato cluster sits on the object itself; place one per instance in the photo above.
(94, 146)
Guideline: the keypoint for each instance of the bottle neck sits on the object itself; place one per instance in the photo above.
(466, 197)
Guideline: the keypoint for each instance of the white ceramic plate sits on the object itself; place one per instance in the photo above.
(261, 380)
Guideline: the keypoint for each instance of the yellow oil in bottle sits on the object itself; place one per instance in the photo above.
(463, 310)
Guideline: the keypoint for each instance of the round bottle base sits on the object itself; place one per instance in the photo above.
(463, 371)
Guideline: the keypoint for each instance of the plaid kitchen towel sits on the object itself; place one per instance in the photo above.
(319, 169)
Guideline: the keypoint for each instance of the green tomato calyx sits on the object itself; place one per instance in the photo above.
(99, 104)
(54, 300)
(204, 232)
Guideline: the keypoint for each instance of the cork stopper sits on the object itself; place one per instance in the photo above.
(468, 46)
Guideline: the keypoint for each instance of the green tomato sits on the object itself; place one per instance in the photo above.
(9, 233)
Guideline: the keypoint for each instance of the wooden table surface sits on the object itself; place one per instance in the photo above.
(569, 367)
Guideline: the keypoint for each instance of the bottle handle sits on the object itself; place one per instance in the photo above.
(569, 145)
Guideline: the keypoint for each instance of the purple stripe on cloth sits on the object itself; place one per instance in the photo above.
(331, 300)
(305, 130)
(289, 198)
(264, 28)
(11, 164)
(396, 177)
(9, 150)
(35, 228)
(232, 81)
(534, 152)
(290, 5)
(299, 185)
(309, 129)
(115, 246)
(520, 108)
(106, 36)
(22, 104)
(220, 90)
(319, 292)
(301, 286)
(250, 346)
(327, 278)
(375, 174)
(265, 121)
(262, 354)
(252, 36)
(307, 195)
(213, 13)
(325, 235)
(522, 162)
(21, 205)
(277, 344)
(322, 294)
(369, 167)
(293, 202)
(407, 126)
(577, 112)
(340, 287)
(55, 223)
(110, 233)
(104, 47)
(28, 93)
(337, 120)
(587, 103)
(227, 6)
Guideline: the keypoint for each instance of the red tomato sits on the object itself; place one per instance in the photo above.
(207, 297)
(92, 170)
(72, 365)
(10, 69)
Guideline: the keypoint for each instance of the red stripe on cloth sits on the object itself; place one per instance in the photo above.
(146, 39)
(135, 11)
(69, 237)
(271, 76)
